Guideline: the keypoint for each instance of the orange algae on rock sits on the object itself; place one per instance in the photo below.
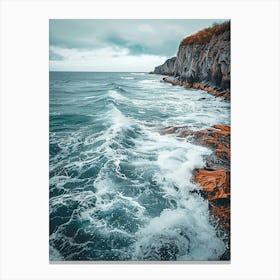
(216, 185)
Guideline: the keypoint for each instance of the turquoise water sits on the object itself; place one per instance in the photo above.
(119, 190)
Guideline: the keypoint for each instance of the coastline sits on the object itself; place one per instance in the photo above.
(218, 92)
(203, 63)
(214, 178)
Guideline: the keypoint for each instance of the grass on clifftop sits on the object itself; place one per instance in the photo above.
(204, 36)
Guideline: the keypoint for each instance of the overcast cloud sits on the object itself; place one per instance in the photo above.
(117, 45)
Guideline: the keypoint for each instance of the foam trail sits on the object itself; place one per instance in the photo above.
(178, 235)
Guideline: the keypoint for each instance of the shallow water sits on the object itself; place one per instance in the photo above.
(119, 190)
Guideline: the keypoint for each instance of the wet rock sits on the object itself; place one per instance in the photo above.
(196, 85)
(187, 85)
(216, 183)
(201, 86)
(174, 82)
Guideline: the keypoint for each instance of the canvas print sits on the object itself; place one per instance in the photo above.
(139, 140)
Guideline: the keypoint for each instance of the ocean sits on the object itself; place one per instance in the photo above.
(119, 190)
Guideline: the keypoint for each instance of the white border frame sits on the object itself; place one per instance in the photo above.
(24, 138)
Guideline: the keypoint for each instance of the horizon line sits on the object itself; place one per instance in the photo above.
(99, 71)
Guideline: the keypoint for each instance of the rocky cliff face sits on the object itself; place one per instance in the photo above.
(167, 68)
(203, 57)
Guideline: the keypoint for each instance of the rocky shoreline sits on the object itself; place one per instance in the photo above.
(214, 178)
(203, 62)
(216, 91)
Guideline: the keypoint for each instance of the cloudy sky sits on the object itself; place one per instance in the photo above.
(117, 45)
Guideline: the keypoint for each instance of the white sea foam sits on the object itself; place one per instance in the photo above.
(89, 97)
(176, 159)
(148, 81)
(137, 74)
(150, 84)
(184, 233)
(127, 78)
(54, 254)
(117, 96)
(119, 121)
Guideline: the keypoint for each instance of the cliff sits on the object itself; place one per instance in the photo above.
(167, 68)
(202, 58)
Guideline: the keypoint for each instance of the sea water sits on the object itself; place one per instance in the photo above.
(118, 188)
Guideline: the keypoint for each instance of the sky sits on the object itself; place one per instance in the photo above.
(114, 45)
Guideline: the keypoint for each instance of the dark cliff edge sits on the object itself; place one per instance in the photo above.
(202, 58)
(167, 68)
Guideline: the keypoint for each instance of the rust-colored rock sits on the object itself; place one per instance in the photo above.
(210, 89)
(201, 86)
(187, 85)
(226, 95)
(216, 93)
(223, 128)
(216, 186)
(215, 183)
(196, 85)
